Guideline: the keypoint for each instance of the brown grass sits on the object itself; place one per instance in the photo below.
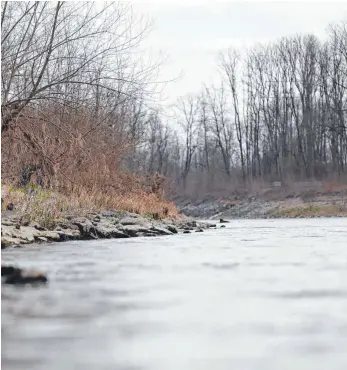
(329, 210)
(48, 207)
(83, 166)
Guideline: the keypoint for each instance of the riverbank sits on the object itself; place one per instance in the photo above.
(17, 231)
(271, 205)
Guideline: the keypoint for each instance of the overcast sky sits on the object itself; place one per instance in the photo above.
(192, 32)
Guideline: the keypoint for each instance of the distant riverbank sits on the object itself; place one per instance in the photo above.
(325, 205)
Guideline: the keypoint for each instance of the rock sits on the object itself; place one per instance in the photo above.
(199, 231)
(172, 228)
(86, 228)
(134, 230)
(65, 225)
(97, 218)
(67, 234)
(24, 221)
(110, 214)
(221, 221)
(186, 232)
(25, 234)
(16, 276)
(50, 235)
(37, 226)
(222, 226)
(42, 239)
(7, 222)
(10, 207)
(104, 231)
(8, 241)
(134, 215)
(150, 234)
(133, 221)
(92, 213)
(161, 230)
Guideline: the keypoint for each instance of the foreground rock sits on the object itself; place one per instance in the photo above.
(16, 276)
(106, 225)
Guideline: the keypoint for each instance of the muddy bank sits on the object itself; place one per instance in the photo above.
(333, 205)
(16, 232)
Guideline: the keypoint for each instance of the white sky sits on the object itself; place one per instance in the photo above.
(192, 32)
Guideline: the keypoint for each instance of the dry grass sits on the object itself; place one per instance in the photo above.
(48, 207)
(326, 210)
(82, 167)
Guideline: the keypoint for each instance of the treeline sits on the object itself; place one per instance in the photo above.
(75, 86)
(79, 100)
(277, 114)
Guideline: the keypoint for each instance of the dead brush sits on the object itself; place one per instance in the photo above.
(80, 169)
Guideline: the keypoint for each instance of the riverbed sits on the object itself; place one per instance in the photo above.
(258, 294)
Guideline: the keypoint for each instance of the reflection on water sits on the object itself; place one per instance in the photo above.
(264, 294)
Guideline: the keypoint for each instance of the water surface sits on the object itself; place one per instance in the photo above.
(259, 294)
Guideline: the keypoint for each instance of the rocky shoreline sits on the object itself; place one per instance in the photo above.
(16, 232)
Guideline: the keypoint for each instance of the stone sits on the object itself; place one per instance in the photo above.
(199, 231)
(68, 234)
(37, 226)
(10, 207)
(6, 230)
(16, 276)
(106, 232)
(186, 232)
(50, 235)
(161, 230)
(26, 234)
(149, 234)
(134, 230)
(25, 221)
(109, 214)
(133, 221)
(134, 215)
(172, 228)
(7, 222)
(86, 228)
(222, 226)
(42, 239)
(221, 221)
(8, 241)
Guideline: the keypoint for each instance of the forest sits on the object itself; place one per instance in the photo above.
(82, 114)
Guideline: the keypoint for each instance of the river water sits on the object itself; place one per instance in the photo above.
(259, 294)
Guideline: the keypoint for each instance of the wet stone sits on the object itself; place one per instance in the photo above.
(16, 276)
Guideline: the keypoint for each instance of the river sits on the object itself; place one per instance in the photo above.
(258, 294)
